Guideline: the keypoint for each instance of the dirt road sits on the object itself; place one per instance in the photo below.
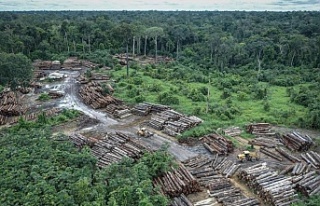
(72, 100)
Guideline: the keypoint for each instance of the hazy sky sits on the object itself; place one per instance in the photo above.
(260, 5)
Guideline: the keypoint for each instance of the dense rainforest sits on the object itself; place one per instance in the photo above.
(269, 60)
(229, 68)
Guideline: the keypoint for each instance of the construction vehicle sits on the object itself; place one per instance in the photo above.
(142, 132)
(247, 155)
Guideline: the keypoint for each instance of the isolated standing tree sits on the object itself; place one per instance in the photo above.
(154, 33)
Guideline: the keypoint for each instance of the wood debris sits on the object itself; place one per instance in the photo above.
(273, 188)
(55, 94)
(91, 94)
(228, 195)
(296, 141)
(217, 144)
(9, 105)
(177, 181)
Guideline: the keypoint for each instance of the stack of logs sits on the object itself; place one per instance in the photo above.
(260, 130)
(296, 141)
(287, 155)
(9, 105)
(308, 184)
(272, 188)
(177, 181)
(112, 148)
(228, 195)
(312, 158)
(207, 169)
(265, 142)
(91, 94)
(143, 109)
(55, 94)
(232, 131)
(118, 110)
(172, 122)
(217, 144)
(182, 200)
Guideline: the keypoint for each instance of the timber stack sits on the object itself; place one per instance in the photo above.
(55, 94)
(308, 184)
(296, 141)
(177, 181)
(9, 105)
(207, 169)
(287, 155)
(217, 144)
(270, 153)
(115, 147)
(265, 142)
(228, 195)
(91, 94)
(272, 188)
(80, 141)
(172, 122)
(232, 131)
(182, 200)
(260, 130)
(312, 158)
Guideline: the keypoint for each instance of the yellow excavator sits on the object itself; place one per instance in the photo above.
(142, 132)
(249, 156)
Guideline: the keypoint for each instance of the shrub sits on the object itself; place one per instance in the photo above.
(43, 97)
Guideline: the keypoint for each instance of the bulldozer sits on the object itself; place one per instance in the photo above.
(247, 155)
(142, 132)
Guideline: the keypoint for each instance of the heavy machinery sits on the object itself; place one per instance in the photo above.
(142, 132)
(247, 155)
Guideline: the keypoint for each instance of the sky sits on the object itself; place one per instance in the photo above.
(210, 5)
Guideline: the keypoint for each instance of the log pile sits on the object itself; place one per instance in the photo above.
(260, 130)
(270, 153)
(28, 117)
(287, 155)
(71, 63)
(182, 200)
(308, 184)
(228, 195)
(80, 141)
(112, 108)
(115, 147)
(272, 188)
(232, 131)
(207, 169)
(91, 94)
(143, 109)
(265, 142)
(207, 202)
(312, 158)
(172, 122)
(9, 105)
(217, 144)
(177, 181)
(296, 141)
(55, 94)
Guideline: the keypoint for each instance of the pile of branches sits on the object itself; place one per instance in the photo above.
(312, 158)
(92, 94)
(217, 144)
(172, 123)
(9, 105)
(273, 188)
(260, 130)
(177, 181)
(143, 109)
(112, 148)
(308, 184)
(228, 195)
(296, 141)
(182, 200)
